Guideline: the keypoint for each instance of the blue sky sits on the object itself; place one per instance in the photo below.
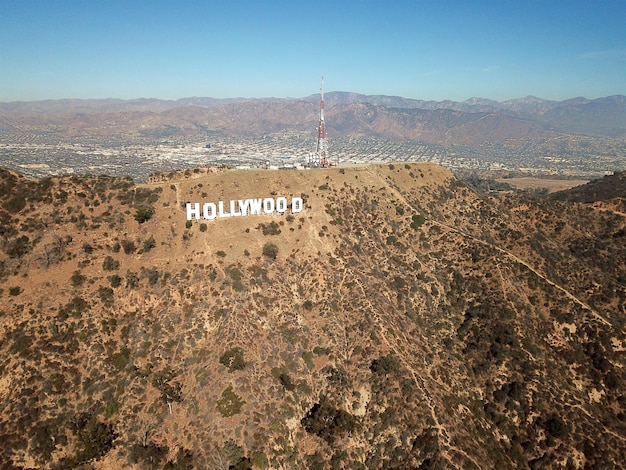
(417, 49)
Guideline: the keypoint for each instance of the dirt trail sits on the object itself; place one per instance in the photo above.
(507, 253)
(417, 379)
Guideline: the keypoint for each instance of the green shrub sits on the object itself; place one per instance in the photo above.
(110, 264)
(115, 281)
(78, 279)
(128, 246)
(230, 404)
(111, 409)
(149, 244)
(15, 204)
(418, 221)
(120, 359)
(270, 250)
(320, 350)
(144, 213)
(386, 364)
(233, 359)
(270, 229)
(106, 295)
(328, 422)
(16, 290)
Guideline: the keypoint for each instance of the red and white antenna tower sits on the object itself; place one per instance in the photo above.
(322, 143)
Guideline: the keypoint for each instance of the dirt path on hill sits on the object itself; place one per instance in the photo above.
(507, 253)
(417, 379)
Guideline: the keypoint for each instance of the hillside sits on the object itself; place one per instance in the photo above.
(603, 189)
(400, 320)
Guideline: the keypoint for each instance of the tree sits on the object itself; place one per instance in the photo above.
(270, 250)
(144, 213)
(386, 364)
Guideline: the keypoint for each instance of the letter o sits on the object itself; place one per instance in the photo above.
(296, 205)
(209, 211)
(268, 205)
(281, 204)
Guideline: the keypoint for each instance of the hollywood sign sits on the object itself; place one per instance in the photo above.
(242, 207)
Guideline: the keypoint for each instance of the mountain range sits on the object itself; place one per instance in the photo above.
(472, 122)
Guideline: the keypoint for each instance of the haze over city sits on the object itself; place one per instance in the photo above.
(424, 50)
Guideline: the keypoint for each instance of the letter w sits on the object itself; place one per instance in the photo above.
(255, 206)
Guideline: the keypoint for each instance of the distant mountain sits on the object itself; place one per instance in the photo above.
(603, 116)
(473, 121)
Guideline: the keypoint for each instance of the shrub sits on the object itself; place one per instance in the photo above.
(75, 307)
(15, 204)
(106, 295)
(120, 359)
(171, 390)
(230, 404)
(153, 276)
(128, 246)
(233, 359)
(270, 250)
(203, 227)
(270, 229)
(149, 244)
(418, 221)
(328, 422)
(110, 264)
(386, 364)
(320, 350)
(144, 213)
(16, 290)
(78, 279)
(18, 247)
(132, 280)
(94, 438)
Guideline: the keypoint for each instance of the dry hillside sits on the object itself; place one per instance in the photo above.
(401, 320)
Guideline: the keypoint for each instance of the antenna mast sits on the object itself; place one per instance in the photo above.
(322, 144)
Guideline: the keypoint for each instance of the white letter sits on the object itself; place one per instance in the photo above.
(193, 211)
(281, 204)
(232, 209)
(220, 205)
(243, 206)
(255, 206)
(268, 205)
(209, 211)
(296, 205)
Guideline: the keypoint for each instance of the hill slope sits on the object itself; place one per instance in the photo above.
(400, 320)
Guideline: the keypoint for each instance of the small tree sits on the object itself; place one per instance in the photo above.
(270, 250)
(233, 359)
(144, 214)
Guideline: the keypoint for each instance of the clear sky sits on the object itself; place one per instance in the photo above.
(439, 49)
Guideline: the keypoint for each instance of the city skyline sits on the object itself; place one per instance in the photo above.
(422, 50)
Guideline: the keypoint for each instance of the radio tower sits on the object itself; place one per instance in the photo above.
(322, 144)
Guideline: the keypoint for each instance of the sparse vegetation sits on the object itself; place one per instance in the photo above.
(371, 327)
(270, 250)
(230, 403)
(143, 214)
(233, 359)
